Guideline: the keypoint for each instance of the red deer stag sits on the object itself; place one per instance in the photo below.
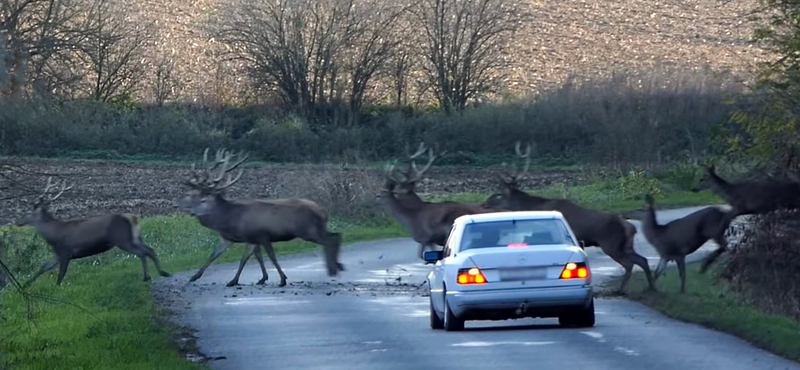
(256, 222)
(753, 197)
(613, 234)
(429, 223)
(73, 239)
(679, 238)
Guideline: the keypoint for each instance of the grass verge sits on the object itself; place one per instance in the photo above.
(111, 321)
(709, 302)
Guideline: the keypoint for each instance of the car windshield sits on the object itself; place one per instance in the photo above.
(521, 232)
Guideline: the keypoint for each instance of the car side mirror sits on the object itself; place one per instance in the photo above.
(432, 256)
(582, 244)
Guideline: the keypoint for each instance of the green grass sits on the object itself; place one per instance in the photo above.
(122, 328)
(710, 303)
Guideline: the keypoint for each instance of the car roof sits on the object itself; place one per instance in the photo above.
(506, 216)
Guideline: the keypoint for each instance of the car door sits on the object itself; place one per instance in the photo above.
(437, 274)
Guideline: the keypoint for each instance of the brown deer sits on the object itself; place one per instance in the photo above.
(74, 239)
(256, 222)
(753, 197)
(679, 238)
(428, 222)
(613, 234)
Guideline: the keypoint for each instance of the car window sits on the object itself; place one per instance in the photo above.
(524, 232)
(448, 245)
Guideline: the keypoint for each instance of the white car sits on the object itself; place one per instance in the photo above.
(506, 265)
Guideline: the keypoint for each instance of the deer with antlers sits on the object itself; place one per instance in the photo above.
(256, 222)
(74, 239)
(613, 234)
(429, 223)
(753, 197)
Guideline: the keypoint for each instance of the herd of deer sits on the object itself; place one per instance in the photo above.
(259, 223)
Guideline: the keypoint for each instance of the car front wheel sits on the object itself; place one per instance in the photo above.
(436, 321)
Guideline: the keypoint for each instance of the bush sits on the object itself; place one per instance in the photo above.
(763, 263)
(653, 117)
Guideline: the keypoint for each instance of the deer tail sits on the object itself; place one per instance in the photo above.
(134, 220)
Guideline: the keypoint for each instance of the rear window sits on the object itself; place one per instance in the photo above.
(522, 232)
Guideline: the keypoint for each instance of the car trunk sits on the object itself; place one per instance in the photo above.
(523, 267)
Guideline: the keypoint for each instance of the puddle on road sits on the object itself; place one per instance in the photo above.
(268, 301)
(489, 344)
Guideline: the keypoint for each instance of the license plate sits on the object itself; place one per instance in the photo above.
(517, 274)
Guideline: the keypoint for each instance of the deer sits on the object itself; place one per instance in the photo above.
(753, 197)
(428, 222)
(610, 232)
(678, 238)
(258, 223)
(80, 238)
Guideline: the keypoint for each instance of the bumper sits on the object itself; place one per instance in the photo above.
(515, 303)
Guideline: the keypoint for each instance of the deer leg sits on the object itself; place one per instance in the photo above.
(47, 266)
(223, 244)
(63, 264)
(152, 254)
(642, 262)
(246, 253)
(140, 252)
(723, 246)
(682, 272)
(271, 254)
(260, 259)
(662, 264)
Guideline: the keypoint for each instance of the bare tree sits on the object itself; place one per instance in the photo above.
(165, 84)
(463, 44)
(114, 49)
(40, 38)
(312, 53)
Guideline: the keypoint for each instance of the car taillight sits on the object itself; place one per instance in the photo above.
(471, 276)
(575, 271)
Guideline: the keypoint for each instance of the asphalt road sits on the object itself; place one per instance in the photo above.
(375, 316)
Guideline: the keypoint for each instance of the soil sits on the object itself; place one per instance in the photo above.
(153, 188)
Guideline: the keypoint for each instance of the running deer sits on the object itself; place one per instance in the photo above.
(256, 222)
(79, 238)
(679, 238)
(429, 223)
(753, 197)
(613, 234)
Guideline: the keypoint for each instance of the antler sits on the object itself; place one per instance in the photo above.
(207, 180)
(513, 178)
(50, 186)
(413, 173)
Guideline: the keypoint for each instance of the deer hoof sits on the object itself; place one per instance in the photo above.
(283, 283)
(262, 281)
(146, 279)
(232, 283)
(193, 278)
(340, 266)
(165, 274)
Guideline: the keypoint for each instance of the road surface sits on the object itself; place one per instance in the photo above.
(375, 316)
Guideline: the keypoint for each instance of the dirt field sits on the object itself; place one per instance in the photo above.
(148, 188)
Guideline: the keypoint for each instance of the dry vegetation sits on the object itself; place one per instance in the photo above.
(587, 38)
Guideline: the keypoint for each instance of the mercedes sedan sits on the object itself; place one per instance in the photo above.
(507, 265)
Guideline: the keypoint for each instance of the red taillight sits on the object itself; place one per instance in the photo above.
(518, 245)
(471, 276)
(575, 271)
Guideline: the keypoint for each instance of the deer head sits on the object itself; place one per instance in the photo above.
(703, 184)
(207, 183)
(404, 182)
(52, 191)
(510, 180)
